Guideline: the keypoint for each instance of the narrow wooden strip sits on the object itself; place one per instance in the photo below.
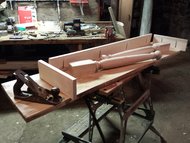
(177, 44)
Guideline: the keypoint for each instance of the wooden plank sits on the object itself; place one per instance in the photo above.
(5, 74)
(177, 44)
(139, 41)
(108, 90)
(141, 50)
(13, 65)
(82, 68)
(93, 82)
(113, 47)
(55, 77)
(62, 61)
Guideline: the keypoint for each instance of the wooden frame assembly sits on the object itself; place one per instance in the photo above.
(58, 66)
(56, 72)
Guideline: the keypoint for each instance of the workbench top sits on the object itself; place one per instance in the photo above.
(85, 86)
(50, 32)
(89, 83)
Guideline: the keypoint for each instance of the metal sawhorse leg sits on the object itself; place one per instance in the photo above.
(116, 96)
(129, 109)
(68, 137)
(126, 110)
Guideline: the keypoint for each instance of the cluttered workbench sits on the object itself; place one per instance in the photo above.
(53, 33)
(27, 25)
(88, 74)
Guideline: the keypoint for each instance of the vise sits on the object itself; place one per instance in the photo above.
(73, 28)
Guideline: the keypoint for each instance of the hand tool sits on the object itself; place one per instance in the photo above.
(73, 28)
(34, 92)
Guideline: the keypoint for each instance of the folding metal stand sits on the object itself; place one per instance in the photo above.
(116, 96)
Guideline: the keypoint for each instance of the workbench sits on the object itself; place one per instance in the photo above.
(58, 36)
(50, 33)
(87, 85)
(32, 110)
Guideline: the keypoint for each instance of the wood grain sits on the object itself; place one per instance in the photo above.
(177, 44)
(55, 77)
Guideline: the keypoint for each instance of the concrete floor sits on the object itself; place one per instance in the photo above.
(170, 94)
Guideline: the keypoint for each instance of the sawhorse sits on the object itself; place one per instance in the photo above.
(116, 97)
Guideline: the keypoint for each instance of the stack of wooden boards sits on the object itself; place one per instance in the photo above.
(74, 71)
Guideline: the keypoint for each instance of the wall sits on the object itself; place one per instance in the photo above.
(172, 17)
(48, 10)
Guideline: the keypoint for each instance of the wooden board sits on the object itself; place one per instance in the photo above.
(55, 77)
(113, 47)
(13, 65)
(139, 41)
(62, 61)
(91, 83)
(83, 67)
(177, 44)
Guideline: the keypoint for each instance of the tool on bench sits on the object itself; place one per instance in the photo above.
(7, 26)
(35, 92)
(74, 28)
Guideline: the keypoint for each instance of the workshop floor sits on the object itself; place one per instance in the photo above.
(170, 94)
